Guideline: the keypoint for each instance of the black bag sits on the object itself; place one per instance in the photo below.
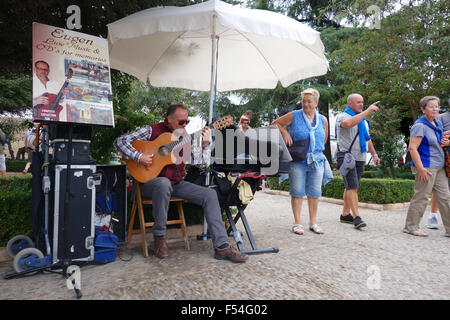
(299, 149)
(196, 175)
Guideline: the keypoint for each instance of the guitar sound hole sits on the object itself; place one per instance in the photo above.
(163, 151)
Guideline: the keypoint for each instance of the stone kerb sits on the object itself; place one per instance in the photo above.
(374, 206)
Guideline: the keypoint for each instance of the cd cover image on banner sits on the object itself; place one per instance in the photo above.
(71, 77)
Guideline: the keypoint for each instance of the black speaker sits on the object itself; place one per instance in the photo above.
(76, 225)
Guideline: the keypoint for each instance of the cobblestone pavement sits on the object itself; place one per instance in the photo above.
(380, 262)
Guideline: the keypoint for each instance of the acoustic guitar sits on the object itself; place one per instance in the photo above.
(163, 148)
(51, 110)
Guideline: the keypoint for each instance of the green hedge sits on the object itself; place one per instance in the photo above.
(15, 165)
(377, 173)
(378, 191)
(274, 185)
(15, 208)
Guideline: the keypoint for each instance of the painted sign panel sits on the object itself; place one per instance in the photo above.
(71, 77)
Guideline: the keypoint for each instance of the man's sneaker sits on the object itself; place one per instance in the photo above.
(230, 253)
(358, 223)
(432, 222)
(346, 219)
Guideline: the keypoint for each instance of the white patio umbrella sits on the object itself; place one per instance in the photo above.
(190, 47)
(214, 46)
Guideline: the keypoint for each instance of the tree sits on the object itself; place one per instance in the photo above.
(15, 93)
(16, 22)
(387, 138)
(400, 63)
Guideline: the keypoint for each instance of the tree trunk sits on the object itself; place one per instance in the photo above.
(392, 170)
(10, 149)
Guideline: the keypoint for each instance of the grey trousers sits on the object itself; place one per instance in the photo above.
(160, 190)
(438, 184)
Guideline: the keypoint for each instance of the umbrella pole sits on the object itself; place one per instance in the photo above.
(212, 98)
(212, 88)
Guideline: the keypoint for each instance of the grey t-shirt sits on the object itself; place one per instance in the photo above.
(345, 137)
(430, 150)
(445, 119)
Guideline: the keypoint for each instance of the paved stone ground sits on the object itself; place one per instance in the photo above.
(343, 263)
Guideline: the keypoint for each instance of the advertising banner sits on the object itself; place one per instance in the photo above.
(71, 77)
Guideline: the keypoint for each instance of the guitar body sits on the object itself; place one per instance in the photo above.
(51, 110)
(160, 157)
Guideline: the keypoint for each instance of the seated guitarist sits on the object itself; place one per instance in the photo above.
(170, 183)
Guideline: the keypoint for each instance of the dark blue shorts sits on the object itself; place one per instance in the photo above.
(353, 177)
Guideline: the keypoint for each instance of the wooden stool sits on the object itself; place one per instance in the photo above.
(145, 226)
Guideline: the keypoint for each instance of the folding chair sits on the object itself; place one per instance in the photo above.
(138, 203)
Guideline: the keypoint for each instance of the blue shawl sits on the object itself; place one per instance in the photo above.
(438, 130)
(362, 130)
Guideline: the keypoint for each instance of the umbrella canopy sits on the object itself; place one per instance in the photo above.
(179, 47)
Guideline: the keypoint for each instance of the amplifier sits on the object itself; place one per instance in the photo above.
(80, 151)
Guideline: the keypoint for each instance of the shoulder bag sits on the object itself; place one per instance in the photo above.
(345, 159)
(299, 149)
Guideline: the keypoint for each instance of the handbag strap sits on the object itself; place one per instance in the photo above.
(351, 146)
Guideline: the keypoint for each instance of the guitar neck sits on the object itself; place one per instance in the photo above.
(55, 103)
(223, 122)
(185, 140)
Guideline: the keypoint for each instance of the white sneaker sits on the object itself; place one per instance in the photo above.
(432, 222)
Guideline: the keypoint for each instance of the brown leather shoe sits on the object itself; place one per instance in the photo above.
(230, 253)
(161, 248)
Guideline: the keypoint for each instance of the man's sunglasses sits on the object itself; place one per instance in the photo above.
(245, 121)
(181, 122)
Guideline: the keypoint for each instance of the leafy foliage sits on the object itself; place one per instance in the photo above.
(15, 93)
(402, 62)
(15, 217)
(15, 165)
(387, 138)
